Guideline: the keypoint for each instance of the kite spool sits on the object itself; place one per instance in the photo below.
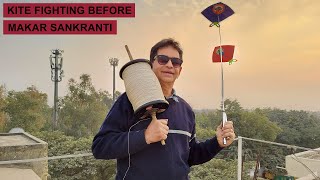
(143, 88)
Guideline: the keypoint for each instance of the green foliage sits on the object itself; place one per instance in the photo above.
(233, 108)
(299, 127)
(219, 169)
(256, 125)
(253, 124)
(206, 123)
(3, 115)
(27, 109)
(75, 168)
(207, 119)
(83, 109)
(205, 133)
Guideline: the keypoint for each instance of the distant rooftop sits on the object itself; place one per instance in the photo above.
(310, 154)
(301, 164)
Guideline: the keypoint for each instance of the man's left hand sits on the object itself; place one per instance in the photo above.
(225, 132)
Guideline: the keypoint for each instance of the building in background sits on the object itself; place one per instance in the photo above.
(304, 164)
(20, 146)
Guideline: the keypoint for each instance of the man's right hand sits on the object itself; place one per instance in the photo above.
(156, 131)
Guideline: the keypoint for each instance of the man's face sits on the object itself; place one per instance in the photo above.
(166, 73)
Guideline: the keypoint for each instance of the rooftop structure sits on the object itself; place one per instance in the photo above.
(20, 146)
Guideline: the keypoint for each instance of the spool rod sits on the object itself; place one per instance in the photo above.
(129, 53)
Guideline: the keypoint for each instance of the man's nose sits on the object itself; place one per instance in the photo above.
(169, 64)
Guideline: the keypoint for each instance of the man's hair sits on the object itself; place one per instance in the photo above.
(165, 43)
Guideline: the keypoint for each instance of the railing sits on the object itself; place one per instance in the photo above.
(239, 154)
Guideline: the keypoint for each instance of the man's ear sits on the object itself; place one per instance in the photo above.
(180, 71)
(151, 64)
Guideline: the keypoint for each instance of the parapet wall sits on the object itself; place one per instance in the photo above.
(20, 146)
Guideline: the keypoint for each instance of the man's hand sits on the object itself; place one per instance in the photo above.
(225, 132)
(156, 131)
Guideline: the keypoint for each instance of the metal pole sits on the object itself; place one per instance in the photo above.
(239, 157)
(114, 62)
(224, 115)
(56, 76)
(55, 113)
(114, 83)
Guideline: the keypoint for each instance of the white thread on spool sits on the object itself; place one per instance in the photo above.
(142, 85)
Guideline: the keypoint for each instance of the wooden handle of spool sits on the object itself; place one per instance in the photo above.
(129, 53)
(154, 117)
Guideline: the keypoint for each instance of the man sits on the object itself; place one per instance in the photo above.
(136, 143)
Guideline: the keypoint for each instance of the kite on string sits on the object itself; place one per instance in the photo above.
(222, 53)
(227, 54)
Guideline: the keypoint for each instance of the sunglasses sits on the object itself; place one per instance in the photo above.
(163, 60)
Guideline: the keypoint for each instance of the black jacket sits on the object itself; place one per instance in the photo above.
(152, 161)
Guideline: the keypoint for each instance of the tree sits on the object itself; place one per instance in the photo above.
(219, 169)
(205, 133)
(3, 115)
(299, 127)
(75, 168)
(208, 118)
(206, 123)
(233, 108)
(256, 125)
(84, 108)
(27, 109)
(253, 124)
